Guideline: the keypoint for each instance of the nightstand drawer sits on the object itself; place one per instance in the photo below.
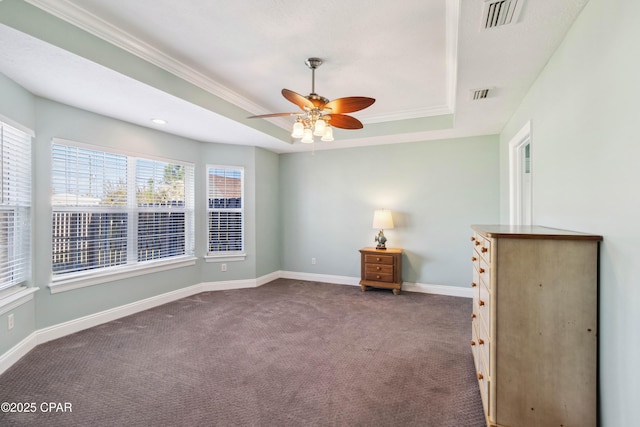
(378, 259)
(378, 268)
(379, 277)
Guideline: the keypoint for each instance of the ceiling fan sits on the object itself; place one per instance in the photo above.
(318, 114)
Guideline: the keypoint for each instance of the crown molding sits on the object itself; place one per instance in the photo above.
(100, 28)
(407, 114)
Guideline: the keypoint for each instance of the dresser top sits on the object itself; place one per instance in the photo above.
(531, 232)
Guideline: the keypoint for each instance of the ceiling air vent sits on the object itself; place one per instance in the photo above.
(497, 13)
(479, 94)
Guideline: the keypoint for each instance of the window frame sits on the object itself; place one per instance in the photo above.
(16, 165)
(225, 256)
(64, 281)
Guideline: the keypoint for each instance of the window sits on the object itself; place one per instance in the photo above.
(225, 210)
(15, 206)
(115, 210)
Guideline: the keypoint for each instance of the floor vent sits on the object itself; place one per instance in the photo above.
(497, 13)
(479, 94)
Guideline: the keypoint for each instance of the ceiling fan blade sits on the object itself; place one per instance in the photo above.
(343, 121)
(349, 104)
(297, 99)
(263, 116)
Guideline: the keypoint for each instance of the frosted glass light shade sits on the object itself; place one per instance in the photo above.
(328, 134)
(307, 137)
(320, 127)
(298, 130)
(382, 219)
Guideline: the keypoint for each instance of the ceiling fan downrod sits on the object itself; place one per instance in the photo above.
(313, 63)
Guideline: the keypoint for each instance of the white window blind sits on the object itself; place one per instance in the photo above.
(115, 210)
(15, 206)
(225, 213)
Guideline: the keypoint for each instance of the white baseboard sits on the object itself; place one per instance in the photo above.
(452, 291)
(76, 325)
(18, 351)
(325, 278)
(66, 328)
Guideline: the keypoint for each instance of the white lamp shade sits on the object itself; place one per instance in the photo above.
(308, 136)
(382, 219)
(320, 127)
(328, 134)
(298, 130)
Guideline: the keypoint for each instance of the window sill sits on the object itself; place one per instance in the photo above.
(81, 281)
(225, 257)
(16, 299)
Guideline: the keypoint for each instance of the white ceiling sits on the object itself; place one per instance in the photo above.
(419, 58)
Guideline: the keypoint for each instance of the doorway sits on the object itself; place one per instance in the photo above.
(521, 178)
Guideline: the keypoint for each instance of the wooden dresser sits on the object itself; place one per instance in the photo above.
(535, 314)
(381, 268)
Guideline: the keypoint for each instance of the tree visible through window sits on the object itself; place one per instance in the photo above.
(112, 210)
(225, 189)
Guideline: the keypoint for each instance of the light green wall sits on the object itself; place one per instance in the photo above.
(434, 189)
(584, 113)
(268, 232)
(17, 105)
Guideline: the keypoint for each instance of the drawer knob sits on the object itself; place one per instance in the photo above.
(474, 258)
(481, 270)
(474, 284)
(480, 341)
(377, 276)
(473, 238)
(477, 243)
(481, 302)
(483, 250)
(480, 375)
(378, 259)
(378, 268)
(473, 342)
(473, 315)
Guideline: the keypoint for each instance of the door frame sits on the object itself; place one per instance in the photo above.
(518, 213)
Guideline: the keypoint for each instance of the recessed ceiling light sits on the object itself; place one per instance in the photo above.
(159, 121)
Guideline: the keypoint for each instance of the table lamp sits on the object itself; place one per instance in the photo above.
(382, 219)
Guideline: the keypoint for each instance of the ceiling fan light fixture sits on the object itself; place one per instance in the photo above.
(319, 115)
(328, 134)
(298, 129)
(307, 137)
(320, 127)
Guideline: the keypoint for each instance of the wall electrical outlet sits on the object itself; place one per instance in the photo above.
(313, 261)
(10, 321)
(223, 267)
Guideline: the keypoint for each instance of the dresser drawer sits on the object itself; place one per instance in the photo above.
(484, 305)
(378, 259)
(482, 370)
(484, 273)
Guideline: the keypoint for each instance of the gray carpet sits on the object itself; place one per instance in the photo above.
(289, 353)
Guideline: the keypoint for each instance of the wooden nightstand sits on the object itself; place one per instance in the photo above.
(381, 269)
